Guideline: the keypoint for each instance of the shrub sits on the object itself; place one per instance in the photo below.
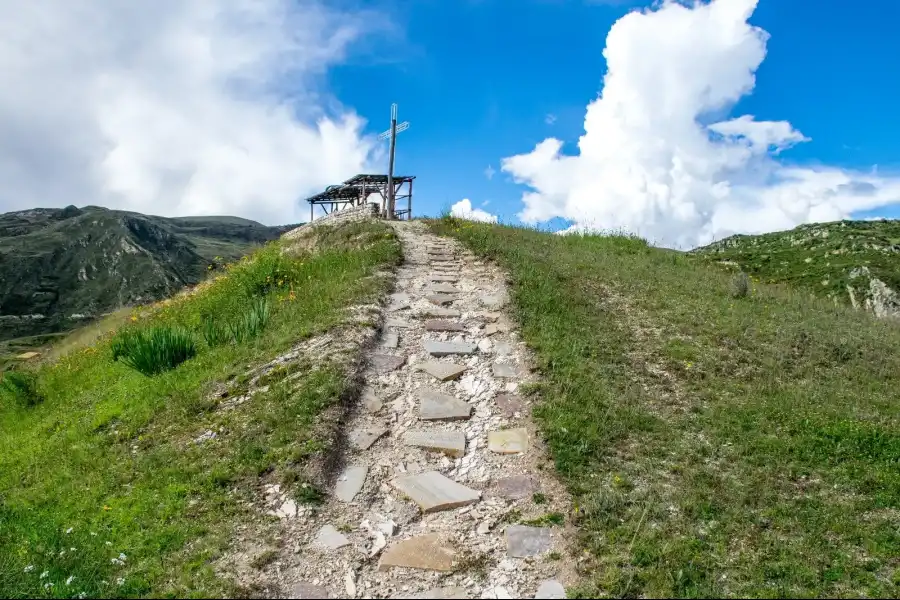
(154, 350)
(252, 322)
(740, 285)
(213, 332)
(20, 387)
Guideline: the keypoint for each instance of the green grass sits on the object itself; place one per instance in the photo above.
(714, 446)
(107, 464)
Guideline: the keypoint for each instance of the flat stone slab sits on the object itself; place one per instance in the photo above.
(490, 317)
(441, 277)
(503, 348)
(508, 441)
(509, 404)
(504, 370)
(350, 482)
(493, 328)
(304, 590)
(551, 590)
(390, 340)
(523, 541)
(441, 312)
(427, 552)
(441, 325)
(436, 348)
(444, 288)
(516, 487)
(364, 438)
(445, 593)
(440, 299)
(385, 363)
(451, 443)
(371, 402)
(434, 492)
(397, 323)
(443, 371)
(437, 406)
(330, 538)
(398, 301)
(495, 301)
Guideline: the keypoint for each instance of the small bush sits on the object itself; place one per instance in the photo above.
(251, 323)
(154, 350)
(740, 285)
(213, 332)
(20, 387)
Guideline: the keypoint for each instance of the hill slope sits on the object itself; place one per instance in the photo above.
(854, 262)
(61, 266)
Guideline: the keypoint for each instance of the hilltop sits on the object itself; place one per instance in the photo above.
(852, 262)
(62, 267)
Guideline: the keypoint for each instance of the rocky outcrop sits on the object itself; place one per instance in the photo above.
(878, 298)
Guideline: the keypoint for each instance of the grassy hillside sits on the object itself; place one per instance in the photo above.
(115, 483)
(716, 446)
(824, 258)
(60, 268)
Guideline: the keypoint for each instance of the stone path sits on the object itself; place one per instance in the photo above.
(442, 467)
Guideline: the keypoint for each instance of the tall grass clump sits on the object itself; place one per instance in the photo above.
(740, 285)
(20, 388)
(213, 332)
(154, 350)
(252, 322)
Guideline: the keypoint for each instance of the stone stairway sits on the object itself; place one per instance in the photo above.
(444, 463)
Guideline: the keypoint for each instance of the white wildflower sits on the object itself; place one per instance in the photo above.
(120, 581)
(70, 580)
(109, 543)
(45, 574)
(29, 568)
(70, 530)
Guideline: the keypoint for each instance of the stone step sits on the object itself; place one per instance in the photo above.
(399, 323)
(444, 593)
(390, 340)
(436, 348)
(440, 299)
(443, 277)
(517, 487)
(429, 552)
(451, 443)
(440, 325)
(444, 288)
(551, 590)
(494, 301)
(330, 538)
(504, 370)
(350, 482)
(493, 328)
(509, 404)
(433, 492)
(437, 406)
(398, 301)
(442, 371)
(363, 438)
(385, 363)
(441, 312)
(508, 441)
(305, 590)
(523, 541)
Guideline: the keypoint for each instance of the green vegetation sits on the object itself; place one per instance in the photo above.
(153, 350)
(820, 258)
(715, 446)
(109, 487)
(19, 388)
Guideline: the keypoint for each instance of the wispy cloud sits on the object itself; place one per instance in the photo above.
(550, 119)
(489, 172)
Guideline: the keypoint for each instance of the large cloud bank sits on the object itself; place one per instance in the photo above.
(174, 107)
(653, 160)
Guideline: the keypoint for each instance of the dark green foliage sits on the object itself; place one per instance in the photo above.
(213, 332)
(20, 388)
(153, 350)
(250, 323)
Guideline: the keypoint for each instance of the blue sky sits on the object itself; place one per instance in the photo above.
(681, 122)
(477, 81)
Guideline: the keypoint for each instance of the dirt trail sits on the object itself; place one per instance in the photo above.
(443, 469)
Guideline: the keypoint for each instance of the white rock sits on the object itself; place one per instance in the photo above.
(350, 584)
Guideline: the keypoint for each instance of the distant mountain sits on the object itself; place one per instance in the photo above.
(60, 267)
(855, 262)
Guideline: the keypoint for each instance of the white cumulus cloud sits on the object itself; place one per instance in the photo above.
(463, 210)
(175, 107)
(657, 159)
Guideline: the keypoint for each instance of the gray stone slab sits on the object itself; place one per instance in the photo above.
(363, 438)
(502, 348)
(444, 593)
(385, 363)
(304, 590)
(508, 441)
(442, 371)
(437, 406)
(434, 492)
(551, 590)
(429, 552)
(330, 538)
(440, 299)
(523, 541)
(398, 301)
(493, 328)
(509, 404)
(441, 312)
(451, 443)
(436, 348)
(490, 317)
(494, 301)
(400, 323)
(516, 487)
(441, 277)
(371, 402)
(441, 325)
(350, 482)
(390, 340)
(504, 370)
(444, 288)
